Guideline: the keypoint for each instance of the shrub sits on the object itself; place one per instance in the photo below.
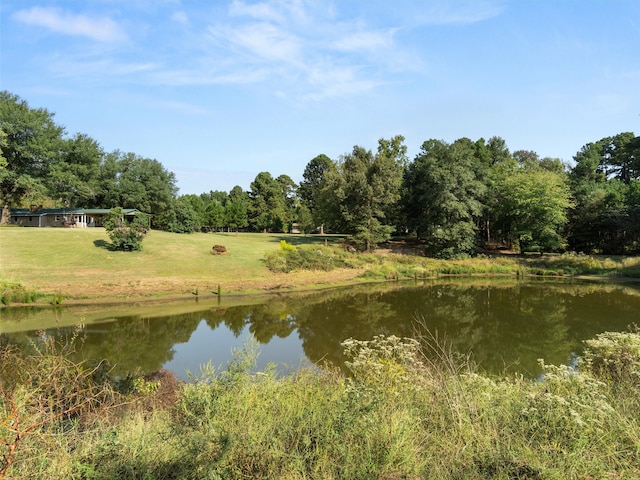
(11, 292)
(44, 393)
(306, 257)
(123, 235)
(286, 247)
(614, 357)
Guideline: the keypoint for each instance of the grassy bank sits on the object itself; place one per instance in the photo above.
(78, 263)
(52, 265)
(400, 414)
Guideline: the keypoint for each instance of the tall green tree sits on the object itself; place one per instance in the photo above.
(236, 209)
(214, 216)
(198, 206)
(306, 224)
(289, 191)
(132, 181)
(73, 177)
(314, 191)
(443, 197)
(3, 146)
(183, 217)
(534, 204)
(492, 156)
(602, 179)
(599, 222)
(366, 188)
(33, 141)
(267, 208)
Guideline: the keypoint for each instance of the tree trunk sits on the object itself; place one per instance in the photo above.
(6, 214)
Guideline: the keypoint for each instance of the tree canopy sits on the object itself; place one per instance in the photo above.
(453, 198)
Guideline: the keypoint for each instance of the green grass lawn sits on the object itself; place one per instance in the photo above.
(79, 261)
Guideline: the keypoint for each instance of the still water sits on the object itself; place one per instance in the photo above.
(506, 324)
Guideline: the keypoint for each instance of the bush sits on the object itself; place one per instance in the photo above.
(11, 292)
(44, 394)
(305, 257)
(614, 357)
(123, 235)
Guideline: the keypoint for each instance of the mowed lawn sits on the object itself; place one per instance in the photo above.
(79, 262)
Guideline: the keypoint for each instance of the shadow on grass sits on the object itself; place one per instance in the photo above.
(103, 244)
(294, 239)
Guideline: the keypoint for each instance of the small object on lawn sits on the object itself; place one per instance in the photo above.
(218, 250)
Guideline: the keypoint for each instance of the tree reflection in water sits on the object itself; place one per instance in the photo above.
(506, 324)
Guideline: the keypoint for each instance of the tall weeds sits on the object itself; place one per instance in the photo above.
(42, 394)
(406, 408)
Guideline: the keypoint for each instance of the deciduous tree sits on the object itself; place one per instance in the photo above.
(443, 197)
(132, 181)
(33, 141)
(534, 202)
(316, 193)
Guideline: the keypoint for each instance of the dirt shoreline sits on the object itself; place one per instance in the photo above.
(150, 291)
(166, 291)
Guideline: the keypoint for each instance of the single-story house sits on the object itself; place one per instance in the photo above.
(37, 216)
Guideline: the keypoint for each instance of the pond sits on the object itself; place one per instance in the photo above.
(506, 324)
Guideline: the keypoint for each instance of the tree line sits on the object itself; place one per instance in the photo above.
(455, 198)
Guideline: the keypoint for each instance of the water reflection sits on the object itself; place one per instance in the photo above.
(506, 324)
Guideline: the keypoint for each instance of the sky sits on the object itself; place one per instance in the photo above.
(218, 91)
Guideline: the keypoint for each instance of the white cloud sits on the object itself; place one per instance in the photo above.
(365, 41)
(180, 18)
(78, 67)
(187, 77)
(260, 41)
(183, 107)
(335, 81)
(101, 29)
(260, 11)
(448, 12)
(270, 11)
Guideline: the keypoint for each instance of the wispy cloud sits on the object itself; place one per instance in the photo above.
(370, 40)
(298, 49)
(101, 29)
(263, 41)
(101, 68)
(270, 11)
(261, 11)
(192, 77)
(451, 12)
(180, 17)
(182, 107)
(335, 81)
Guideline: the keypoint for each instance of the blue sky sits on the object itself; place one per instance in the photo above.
(218, 91)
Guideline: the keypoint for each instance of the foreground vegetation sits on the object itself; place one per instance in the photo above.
(406, 409)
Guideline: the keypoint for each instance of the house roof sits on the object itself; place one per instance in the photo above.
(25, 212)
